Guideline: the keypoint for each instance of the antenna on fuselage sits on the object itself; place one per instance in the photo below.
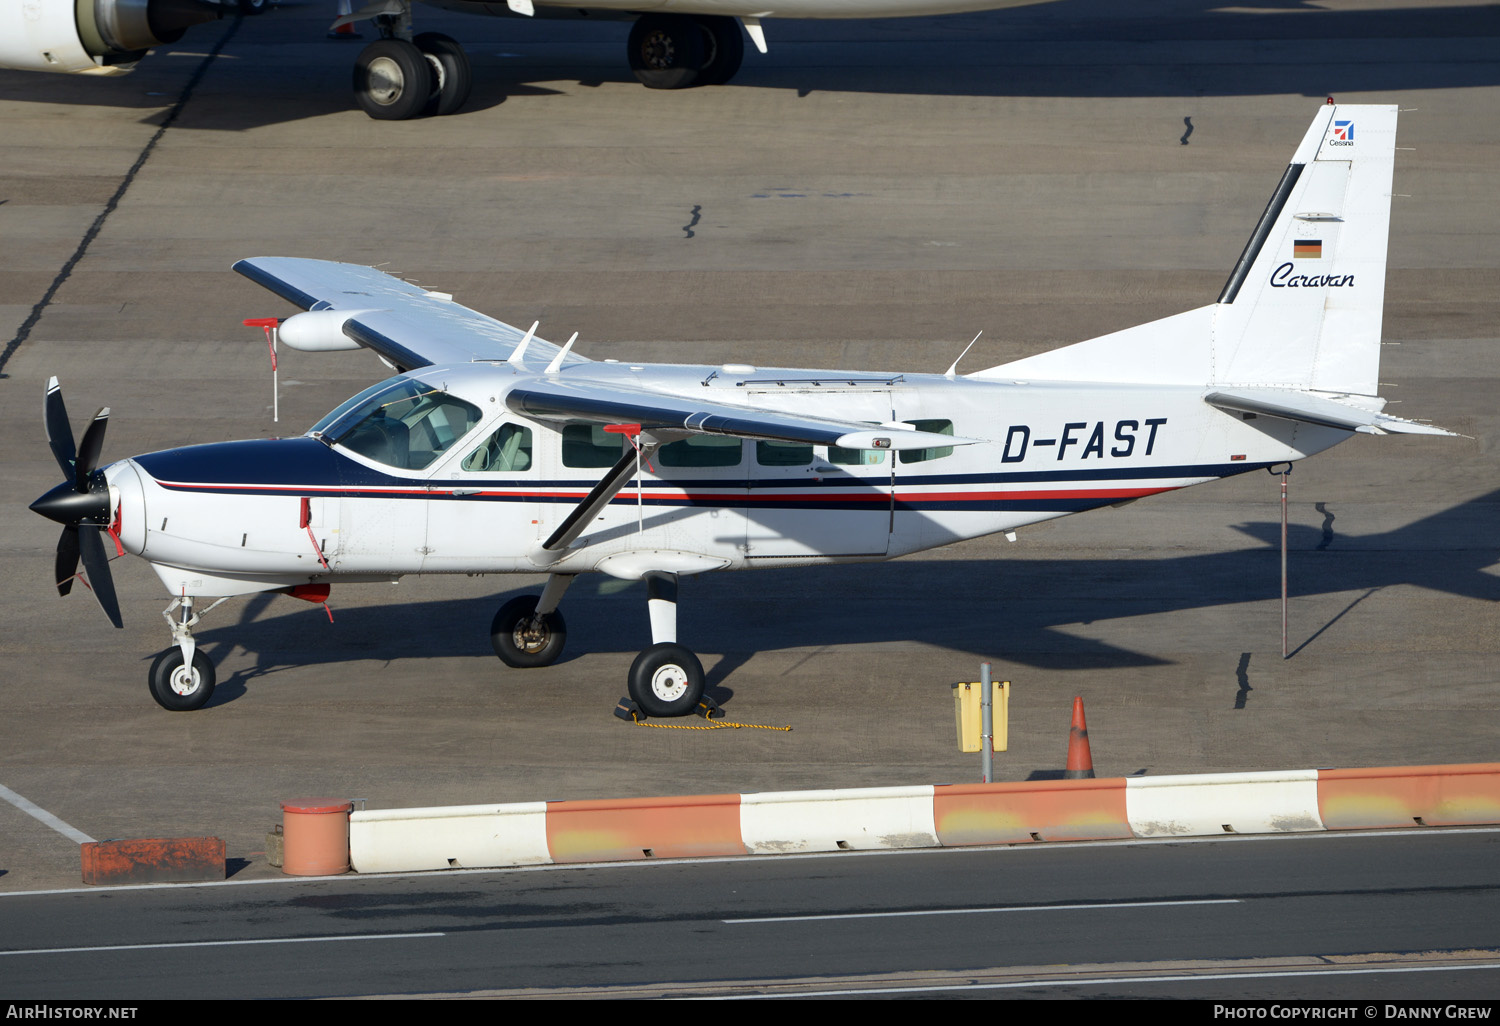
(954, 369)
(515, 357)
(558, 359)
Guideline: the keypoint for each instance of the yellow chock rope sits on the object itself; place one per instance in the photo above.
(705, 709)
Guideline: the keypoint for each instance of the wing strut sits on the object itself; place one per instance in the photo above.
(608, 487)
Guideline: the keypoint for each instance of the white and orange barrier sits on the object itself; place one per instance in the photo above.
(926, 816)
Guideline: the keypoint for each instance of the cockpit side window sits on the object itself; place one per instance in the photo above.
(406, 424)
(506, 451)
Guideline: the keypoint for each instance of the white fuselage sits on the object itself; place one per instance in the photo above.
(237, 517)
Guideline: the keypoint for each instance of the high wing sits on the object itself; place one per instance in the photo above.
(413, 327)
(551, 398)
(405, 323)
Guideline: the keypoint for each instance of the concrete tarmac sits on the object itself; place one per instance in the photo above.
(867, 195)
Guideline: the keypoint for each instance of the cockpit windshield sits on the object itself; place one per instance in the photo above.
(400, 422)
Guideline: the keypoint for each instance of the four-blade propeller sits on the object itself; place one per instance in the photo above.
(81, 503)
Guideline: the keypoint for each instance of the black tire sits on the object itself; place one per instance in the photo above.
(181, 692)
(453, 79)
(666, 680)
(392, 80)
(724, 49)
(666, 51)
(516, 644)
(253, 7)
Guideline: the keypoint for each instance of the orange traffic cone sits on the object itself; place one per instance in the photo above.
(346, 30)
(1080, 759)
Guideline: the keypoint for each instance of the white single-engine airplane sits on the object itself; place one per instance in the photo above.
(492, 451)
(673, 43)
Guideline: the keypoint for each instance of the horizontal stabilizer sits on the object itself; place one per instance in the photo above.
(554, 399)
(1311, 408)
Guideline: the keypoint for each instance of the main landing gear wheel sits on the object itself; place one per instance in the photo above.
(520, 640)
(177, 688)
(451, 72)
(724, 49)
(666, 680)
(666, 52)
(393, 80)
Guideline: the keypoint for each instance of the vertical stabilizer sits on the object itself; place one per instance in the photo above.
(1302, 307)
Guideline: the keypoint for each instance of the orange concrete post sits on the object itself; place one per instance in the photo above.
(316, 832)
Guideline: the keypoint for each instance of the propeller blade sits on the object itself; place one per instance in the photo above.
(59, 431)
(96, 564)
(66, 566)
(88, 450)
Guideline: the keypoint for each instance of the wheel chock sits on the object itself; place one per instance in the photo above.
(628, 711)
(708, 708)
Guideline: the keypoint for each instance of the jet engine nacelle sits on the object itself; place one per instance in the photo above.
(93, 37)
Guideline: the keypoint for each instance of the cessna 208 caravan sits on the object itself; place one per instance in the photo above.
(673, 43)
(492, 451)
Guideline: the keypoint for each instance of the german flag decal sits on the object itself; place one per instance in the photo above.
(1307, 249)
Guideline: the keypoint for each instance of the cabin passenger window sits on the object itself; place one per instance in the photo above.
(701, 451)
(587, 445)
(508, 450)
(783, 454)
(937, 427)
(855, 457)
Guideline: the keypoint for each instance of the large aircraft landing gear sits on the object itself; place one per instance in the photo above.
(401, 76)
(667, 678)
(451, 68)
(530, 631)
(673, 51)
(392, 80)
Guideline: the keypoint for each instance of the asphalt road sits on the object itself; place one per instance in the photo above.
(869, 194)
(1346, 917)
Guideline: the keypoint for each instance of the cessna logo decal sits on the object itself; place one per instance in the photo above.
(1283, 278)
(1127, 432)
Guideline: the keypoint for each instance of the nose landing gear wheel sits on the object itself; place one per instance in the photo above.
(392, 80)
(666, 680)
(178, 688)
(520, 641)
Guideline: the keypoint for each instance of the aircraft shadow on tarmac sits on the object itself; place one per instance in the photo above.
(1066, 48)
(1005, 608)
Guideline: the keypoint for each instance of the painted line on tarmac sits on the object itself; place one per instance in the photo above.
(38, 813)
(1101, 981)
(1100, 905)
(647, 865)
(24, 332)
(220, 944)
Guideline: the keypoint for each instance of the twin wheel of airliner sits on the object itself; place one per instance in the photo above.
(672, 51)
(395, 80)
